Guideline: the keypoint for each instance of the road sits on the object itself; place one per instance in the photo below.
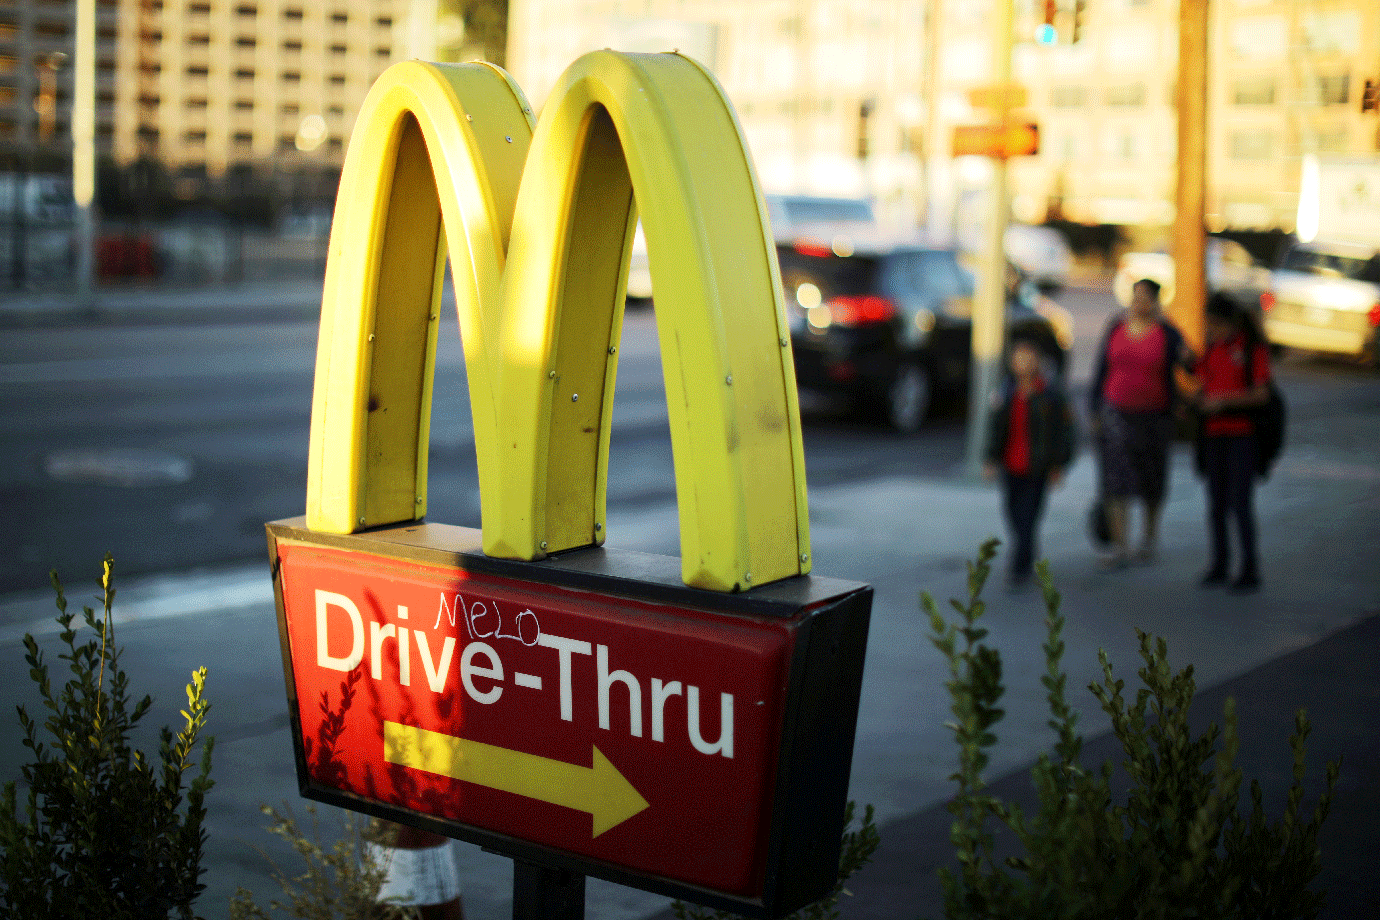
(170, 444)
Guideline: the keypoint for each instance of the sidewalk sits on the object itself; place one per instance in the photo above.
(293, 297)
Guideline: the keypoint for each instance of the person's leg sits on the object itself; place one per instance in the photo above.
(1026, 497)
(1216, 475)
(1118, 512)
(1151, 530)
(1241, 497)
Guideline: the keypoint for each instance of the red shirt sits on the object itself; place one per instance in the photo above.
(1017, 456)
(1223, 372)
(1135, 371)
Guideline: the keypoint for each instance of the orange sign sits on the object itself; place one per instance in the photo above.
(998, 96)
(1013, 139)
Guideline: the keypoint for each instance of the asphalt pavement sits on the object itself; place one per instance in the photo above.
(1310, 638)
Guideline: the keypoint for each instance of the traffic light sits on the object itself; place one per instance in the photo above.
(864, 114)
(1080, 8)
(1045, 32)
(1370, 96)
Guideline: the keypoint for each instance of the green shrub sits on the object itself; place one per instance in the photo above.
(339, 882)
(104, 832)
(1176, 848)
(858, 846)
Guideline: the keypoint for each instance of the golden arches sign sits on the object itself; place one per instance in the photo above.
(537, 222)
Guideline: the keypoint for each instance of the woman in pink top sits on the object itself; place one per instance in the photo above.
(1131, 403)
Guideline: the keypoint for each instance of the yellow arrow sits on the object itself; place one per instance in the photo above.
(600, 790)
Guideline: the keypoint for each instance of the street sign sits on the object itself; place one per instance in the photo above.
(521, 687)
(998, 96)
(1013, 139)
(589, 711)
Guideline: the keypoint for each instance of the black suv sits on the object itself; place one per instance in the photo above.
(890, 324)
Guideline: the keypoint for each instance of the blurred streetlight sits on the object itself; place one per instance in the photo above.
(45, 103)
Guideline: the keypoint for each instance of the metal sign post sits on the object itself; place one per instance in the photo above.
(684, 726)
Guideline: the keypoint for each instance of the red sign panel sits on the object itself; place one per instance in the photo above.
(620, 731)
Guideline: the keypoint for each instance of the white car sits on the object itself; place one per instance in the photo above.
(1040, 253)
(1326, 297)
(1230, 270)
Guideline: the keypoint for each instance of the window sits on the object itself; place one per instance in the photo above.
(203, 9)
(1256, 91)
(383, 51)
(338, 49)
(244, 73)
(289, 109)
(384, 22)
(195, 137)
(198, 70)
(1129, 95)
(336, 111)
(340, 19)
(291, 76)
(1068, 97)
(1334, 89)
(199, 39)
(243, 138)
(247, 10)
(244, 105)
(1251, 145)
(337, 79)
(151, 36)
(292, 46)
(292, 15)
(287, 142)
(246, 41)
(196, 102)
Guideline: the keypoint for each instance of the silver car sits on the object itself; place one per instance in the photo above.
(1325, 296)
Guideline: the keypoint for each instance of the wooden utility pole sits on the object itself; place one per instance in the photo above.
(1189, 245)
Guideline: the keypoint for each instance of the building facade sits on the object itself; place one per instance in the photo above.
(845, 97)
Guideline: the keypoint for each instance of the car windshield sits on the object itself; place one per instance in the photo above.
(1332, 265)
(826, 210)
(932, 275)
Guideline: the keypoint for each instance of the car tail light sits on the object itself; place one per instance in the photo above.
(1374, 314)
(861, 310)
(813, 248)
(1267, 301)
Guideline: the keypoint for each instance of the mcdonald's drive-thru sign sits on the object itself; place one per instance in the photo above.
(687, 729)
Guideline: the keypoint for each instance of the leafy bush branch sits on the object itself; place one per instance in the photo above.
(102, 831)
(1177, 847)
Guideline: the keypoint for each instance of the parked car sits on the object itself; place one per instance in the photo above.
(1326, 297)
(1229, 267)
(890, 323)
(793, 214)
(789, 215)
(1040, 253)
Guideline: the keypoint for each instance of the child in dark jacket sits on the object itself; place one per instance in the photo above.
(1030, 443)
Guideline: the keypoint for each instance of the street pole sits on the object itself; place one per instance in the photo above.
(84, 148)
(989, 307)
(1190, 270)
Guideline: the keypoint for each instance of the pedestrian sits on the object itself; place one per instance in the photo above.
(1234, 374)
(1131, 403)
(1030, 444)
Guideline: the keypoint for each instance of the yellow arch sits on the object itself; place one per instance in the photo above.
(541, 321)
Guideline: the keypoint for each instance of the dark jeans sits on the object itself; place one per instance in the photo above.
(1229, 466)
(1024, 500)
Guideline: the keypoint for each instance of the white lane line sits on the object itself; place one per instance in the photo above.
(139, 600)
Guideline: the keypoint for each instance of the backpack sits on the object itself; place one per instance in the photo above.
(1267, 423)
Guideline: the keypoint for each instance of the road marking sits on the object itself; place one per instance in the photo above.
(140, 599)
(600, 790)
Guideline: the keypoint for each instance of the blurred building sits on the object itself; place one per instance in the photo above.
(207, 88)
(848, 97)
(36, 78)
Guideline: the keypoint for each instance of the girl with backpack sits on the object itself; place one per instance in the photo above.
(1234, 373)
